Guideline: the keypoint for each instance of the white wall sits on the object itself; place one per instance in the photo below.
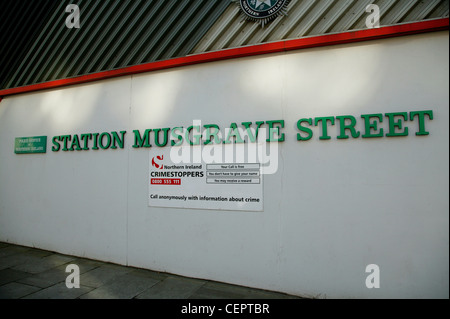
(332, 208)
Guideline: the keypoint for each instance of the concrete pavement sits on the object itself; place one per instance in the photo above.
(32, 273)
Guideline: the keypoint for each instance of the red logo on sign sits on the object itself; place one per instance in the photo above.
(154, 164)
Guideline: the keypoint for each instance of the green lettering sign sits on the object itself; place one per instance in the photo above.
(30, 145)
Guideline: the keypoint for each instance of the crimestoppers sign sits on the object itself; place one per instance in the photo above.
(204, 184)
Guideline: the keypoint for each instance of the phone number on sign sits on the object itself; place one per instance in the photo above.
(165, 181)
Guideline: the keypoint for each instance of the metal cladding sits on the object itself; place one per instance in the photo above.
(112, 34)
(314, 17)
(37, 46)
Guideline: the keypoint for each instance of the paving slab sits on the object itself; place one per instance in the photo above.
(16, 290)
(85, 265)
(208, 293)
(228, 288)
(126, 286)
(159, 276)
(173, 287)
(217, 290)
(42, 264)
(17, 259)
(102, 275)
(39, 274)
(58, 274)
(263, 294)
(39, 252)
(9, 275)
(46, 278)
(12, 250)
(59, 291)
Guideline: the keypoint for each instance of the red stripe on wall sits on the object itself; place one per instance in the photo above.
(280, 46)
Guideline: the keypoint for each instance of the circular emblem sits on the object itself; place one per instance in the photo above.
(263, 11)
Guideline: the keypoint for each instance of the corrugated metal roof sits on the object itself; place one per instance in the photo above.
(18, 32)
(314, 17)
(113, 34)
(36, 46)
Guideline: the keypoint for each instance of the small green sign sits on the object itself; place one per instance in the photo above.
(28, 145)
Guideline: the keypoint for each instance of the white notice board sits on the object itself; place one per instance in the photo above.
(203, 185)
